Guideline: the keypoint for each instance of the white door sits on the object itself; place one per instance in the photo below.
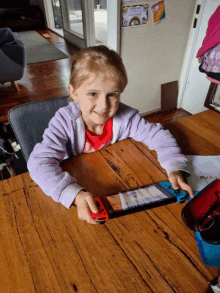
(197, 84)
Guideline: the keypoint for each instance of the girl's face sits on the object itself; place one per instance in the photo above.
(98, 99)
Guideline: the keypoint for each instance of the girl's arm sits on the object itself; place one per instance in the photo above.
(44, 162)
(169, 154)
(160, 140)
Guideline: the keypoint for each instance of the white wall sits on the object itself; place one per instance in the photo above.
(153, 54)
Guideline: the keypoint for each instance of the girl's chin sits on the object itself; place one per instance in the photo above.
(100, 116)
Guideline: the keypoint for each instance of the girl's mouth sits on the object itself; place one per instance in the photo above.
(101, 114)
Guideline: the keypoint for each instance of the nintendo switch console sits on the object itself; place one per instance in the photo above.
(136, 200)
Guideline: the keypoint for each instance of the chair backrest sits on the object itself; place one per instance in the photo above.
(28, 122)
(12, 56)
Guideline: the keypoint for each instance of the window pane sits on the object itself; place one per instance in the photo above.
(100, 18)
(74, 22)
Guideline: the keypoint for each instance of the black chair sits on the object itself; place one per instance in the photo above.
(28, 122)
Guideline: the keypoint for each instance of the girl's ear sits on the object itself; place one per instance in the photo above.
(72, 92)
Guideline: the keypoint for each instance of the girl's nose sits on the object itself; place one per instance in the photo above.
(103, 103)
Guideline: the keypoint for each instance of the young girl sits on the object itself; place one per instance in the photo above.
(93, 120)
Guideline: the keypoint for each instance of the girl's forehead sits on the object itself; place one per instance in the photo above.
(96, 79)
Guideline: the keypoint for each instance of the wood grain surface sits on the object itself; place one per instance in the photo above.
(44, 247)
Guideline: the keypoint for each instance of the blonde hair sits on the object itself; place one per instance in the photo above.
(97, 60)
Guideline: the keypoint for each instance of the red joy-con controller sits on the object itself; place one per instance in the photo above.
(103, 207)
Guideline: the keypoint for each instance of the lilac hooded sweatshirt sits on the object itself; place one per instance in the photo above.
(67, 125)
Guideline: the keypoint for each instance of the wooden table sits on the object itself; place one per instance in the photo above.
(44, 247)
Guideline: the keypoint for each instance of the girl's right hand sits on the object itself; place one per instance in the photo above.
(85, 205)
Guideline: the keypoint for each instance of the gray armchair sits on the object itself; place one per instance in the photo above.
(12, 57)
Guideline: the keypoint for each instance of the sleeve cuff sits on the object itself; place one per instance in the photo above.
(185, 172)
(69, 193)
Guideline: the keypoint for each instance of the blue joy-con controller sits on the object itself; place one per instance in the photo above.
(181, 195)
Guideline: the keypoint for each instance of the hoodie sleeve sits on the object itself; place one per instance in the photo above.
(44, 162)
(160, 140)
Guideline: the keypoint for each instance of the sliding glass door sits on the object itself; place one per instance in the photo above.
(73, 21)
(88, 22)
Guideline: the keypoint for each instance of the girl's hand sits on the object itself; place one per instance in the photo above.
(85, 205)
(178, 182)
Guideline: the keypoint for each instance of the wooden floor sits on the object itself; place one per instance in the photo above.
(41, 81)
(49, 80)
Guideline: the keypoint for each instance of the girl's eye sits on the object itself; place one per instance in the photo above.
(113, 95)
(93, 94)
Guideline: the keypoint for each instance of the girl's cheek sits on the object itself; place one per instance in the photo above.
(115, 104)
(88, 107)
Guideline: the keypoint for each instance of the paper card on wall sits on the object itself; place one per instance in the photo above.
(158, 10)
(133, 15)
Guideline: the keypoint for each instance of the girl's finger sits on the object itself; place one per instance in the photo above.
(187, 187)
(87, 213)
(83, 210)
(178, 182)
(174, 182)
(91, 221)
(92, 204)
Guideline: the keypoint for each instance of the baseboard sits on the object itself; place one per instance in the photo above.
(150, 112)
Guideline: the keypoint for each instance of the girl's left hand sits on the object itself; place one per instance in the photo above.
(178, 182)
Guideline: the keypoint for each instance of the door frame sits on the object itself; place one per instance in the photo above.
(49, 14)
(114, 25)
(187, 61)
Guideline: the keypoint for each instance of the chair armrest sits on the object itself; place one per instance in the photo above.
(16, 51)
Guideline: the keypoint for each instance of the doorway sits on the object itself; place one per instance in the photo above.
(84, 22)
